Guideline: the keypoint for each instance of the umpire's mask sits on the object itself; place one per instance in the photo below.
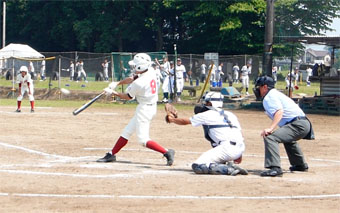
(260, 81)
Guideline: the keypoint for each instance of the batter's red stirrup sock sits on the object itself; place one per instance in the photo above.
(155, 146)
(19, 104)
(32, 105)
(119, 145)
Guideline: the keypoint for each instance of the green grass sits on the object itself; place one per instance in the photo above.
(100, 85)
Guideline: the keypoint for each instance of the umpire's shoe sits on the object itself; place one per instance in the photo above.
(107, 158)
(299, 168)
(170, 157)
(272, 172)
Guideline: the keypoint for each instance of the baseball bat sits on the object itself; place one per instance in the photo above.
(80, 109)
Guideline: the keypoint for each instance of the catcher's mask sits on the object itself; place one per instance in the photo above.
(215, 98)
(260, 81)
(200, 108)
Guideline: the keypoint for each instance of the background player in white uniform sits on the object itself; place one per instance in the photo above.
(105, 66)
(166, 87)
(245, 72)
(236, 69)
(180, 70)
(71, 69)
(25, 85)
(81, 71)
(31, 70)
(143, 88)
(203, 72)
(42, 70)
(213, 73)
(223, 131)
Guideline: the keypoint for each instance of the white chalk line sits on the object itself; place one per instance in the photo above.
(37, 113)
(190, 152)
(171, 197)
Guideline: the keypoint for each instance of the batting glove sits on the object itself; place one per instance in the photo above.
(108, 91)
(113, 85)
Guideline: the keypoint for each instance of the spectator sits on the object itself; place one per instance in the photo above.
(81, 71)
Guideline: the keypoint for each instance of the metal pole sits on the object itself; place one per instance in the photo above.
(268, 39)
(175, 81)
(59, 79)
(4, 24)
(112, 68)
(290, 74)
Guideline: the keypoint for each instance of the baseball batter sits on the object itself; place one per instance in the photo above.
(25, 85)
(223, 131)
(143, 88)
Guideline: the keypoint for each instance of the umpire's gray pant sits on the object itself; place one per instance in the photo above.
(288, 135)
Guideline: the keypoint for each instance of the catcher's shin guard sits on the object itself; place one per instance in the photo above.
(200, 168)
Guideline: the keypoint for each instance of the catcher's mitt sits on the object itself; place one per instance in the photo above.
(170, 111)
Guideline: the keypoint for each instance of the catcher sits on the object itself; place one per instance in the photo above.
(221, 129)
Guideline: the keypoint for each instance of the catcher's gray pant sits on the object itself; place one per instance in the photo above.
(288, 135)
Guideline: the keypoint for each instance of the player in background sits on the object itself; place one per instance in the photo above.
(143, 88)
(42, 70)
(245, 72)
(180, 70)
(223, 131)
(105, 66)
(81, 71)
(71, 70)
(166, 87)
(25, 85)
(236, 69)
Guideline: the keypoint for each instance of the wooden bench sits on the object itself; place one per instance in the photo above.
(192, 90)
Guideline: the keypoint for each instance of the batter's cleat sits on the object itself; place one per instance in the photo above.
(32, 110)
(299, 168)
(18, 110)
(273, 172)
(170, 157)
(107, 158)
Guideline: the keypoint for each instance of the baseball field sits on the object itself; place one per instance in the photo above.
(50, 166)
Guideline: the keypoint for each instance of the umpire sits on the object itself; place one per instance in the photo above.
(293, 125)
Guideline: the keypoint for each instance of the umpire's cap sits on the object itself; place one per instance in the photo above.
(265, 80)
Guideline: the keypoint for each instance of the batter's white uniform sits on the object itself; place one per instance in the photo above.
(227, 142)
(180, 77)
(245, 72)
(24, 86)
(144, 89)
(165, 70)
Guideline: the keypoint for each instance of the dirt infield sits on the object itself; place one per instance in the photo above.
(47, 162)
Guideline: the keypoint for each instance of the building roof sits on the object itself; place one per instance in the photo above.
(317, 53)
(333, 41)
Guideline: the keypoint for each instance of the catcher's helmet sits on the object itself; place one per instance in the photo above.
(23, 69)
(215, 98)
(140, 62)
